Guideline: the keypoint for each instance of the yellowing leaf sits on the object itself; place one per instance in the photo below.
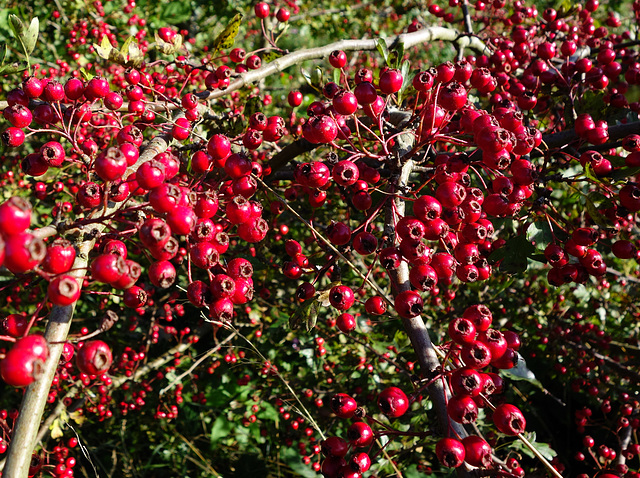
(168, 48)
(56, 431)
(130, 54)
(272, 55)
(77, 417)
(104, 49)
(226, 38)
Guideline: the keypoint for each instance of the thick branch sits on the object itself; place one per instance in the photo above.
(415, 327)
(559, 140)
(25, 432)
(278, 65)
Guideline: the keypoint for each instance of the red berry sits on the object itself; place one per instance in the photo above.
(360, 435)
(509, 419)
(261, 10)
(477, 451)
(450, 452)
(393, 402)
(20, 368)
(341, 297)
(63, 290)
(346, 323)
(15, 216)
(462, 409)
(338, 58)
(334, 447)
(390, 81)
(408, 304)
(23, 252)
(343, 405)
(94, 357)
(108, 268)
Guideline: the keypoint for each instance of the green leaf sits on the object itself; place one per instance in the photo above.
(3, 55)
(31, 35)
(540, 233)
(227, 37)
(307, 77)
(622, 173)
(406, 81)
(85, 74)
(399, 51)
(317, 77)
(10, 68)
(381, 45)
(176, 12)
(594, 203)
(16, 26)
(521, 372)
(306, 314)
(590, 174)
(336, 75)
(292, 458)
(592, 103)
(514, 255)
(543, 448)
(220, 429)
(252, 105)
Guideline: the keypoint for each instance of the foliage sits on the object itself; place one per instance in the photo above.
(196, 393)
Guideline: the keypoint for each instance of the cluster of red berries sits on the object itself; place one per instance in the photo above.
(392, 401)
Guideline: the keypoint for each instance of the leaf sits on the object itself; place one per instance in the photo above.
(307, 77)
(594, 203)
(406, 81)
(176, 12)
(336, 75)
(292, 458)
(136, 57)
(168, 48)
(399, 51)
(317, 77)
(540, 233)
(16, 26)
(306, 314)
(323, 295)
(521, 372)
(3, 54)
(227, 37)
(56, 430)
(104, 49)
(622, 173)
(590, 174)
(31, 35)
(543, 448)
(592, 103)
(77, 417)
(381, 45)
(271, 55)
(85, 74)
(220, 429)
(130, 54)
(12, 68)
(513, 255)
